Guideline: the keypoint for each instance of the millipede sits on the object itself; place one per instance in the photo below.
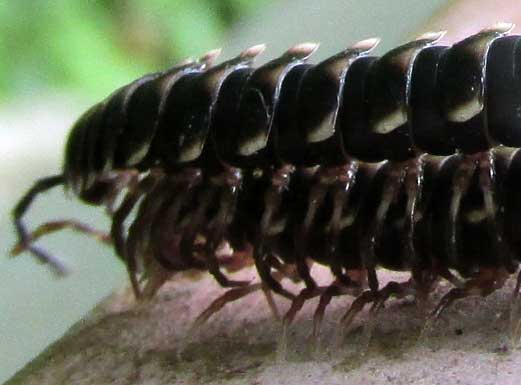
(410, 161)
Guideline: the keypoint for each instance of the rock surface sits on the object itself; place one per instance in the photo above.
(124, 343)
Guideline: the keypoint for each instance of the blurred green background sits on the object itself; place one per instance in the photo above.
(93, 46)
(58, 57)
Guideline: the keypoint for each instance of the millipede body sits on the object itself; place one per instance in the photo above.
(408, 161)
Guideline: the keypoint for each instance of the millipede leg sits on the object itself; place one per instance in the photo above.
(299, 301)
(229, 296)
(391, 188)
(23, 205)
(424, 282)
(213, 239)
(378, 298)
(453, 295)
(125, 208)
(486, 282)
(196, 222)
(356, 307)
(118, 220)
(164, 232)
(271, 302)
(337, 288)
(316, 199)
(340, 198)
(264, 270)
(156, 277)
(413, 188)
(515, 313)
(372, 279)
(214, 269)
(145, 215)
(397, 289)
(460, 185)
(296, 304)
(487, 181)
(141, 240)
(272, 200)
(515, 293)
(325, 299)
(393, 288)
(217, 232)
(286, 270)
(58, 225)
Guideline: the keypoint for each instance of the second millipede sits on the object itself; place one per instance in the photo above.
(409, 161)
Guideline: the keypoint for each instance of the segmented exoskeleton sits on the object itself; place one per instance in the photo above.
(408, 161)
